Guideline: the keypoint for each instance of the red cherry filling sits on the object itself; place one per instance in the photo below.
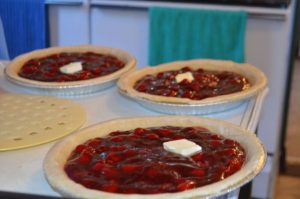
(134, 161)
(205, 84)
(94, 65)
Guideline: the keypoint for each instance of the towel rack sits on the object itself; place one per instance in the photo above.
(253, 12)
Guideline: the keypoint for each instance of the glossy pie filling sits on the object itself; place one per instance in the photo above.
(135, 162)
(46, 69)
(205, 84)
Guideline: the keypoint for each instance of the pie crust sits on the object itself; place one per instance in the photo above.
(72, 87)
(55, 160)
(256, 78)
(30, 120)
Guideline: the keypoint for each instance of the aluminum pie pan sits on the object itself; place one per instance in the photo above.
(177, 105)
(71, 88)
(255, 157)
(186, 109)
(64, 90)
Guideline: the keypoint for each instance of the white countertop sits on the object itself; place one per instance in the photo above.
(21, 170)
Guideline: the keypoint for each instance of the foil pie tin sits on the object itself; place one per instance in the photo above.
(63, 90)
(71, 88)
(186, 109)
(180, 106)
(228, 188)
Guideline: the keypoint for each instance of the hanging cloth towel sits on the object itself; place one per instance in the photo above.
(181, 34)
(24, 23)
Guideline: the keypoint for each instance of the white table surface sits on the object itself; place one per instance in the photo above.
(21, 170)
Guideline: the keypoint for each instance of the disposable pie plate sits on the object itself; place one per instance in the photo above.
(73, 87)
(57, 156)
(175, 105)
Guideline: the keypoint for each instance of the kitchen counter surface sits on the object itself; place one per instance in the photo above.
(21, 170)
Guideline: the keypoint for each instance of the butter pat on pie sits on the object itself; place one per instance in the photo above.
(182, 147)
(71, 68)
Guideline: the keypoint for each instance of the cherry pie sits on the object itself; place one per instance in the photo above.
(204, 86)
(124, 158)
(205, 83)
(46, 69)
(214, 82)
(41, 69)
(135, 161)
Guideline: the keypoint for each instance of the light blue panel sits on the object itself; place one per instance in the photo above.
(69, 25)
(122, 28)
(3, 46)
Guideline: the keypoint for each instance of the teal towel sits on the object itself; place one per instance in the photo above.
(182, 34)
